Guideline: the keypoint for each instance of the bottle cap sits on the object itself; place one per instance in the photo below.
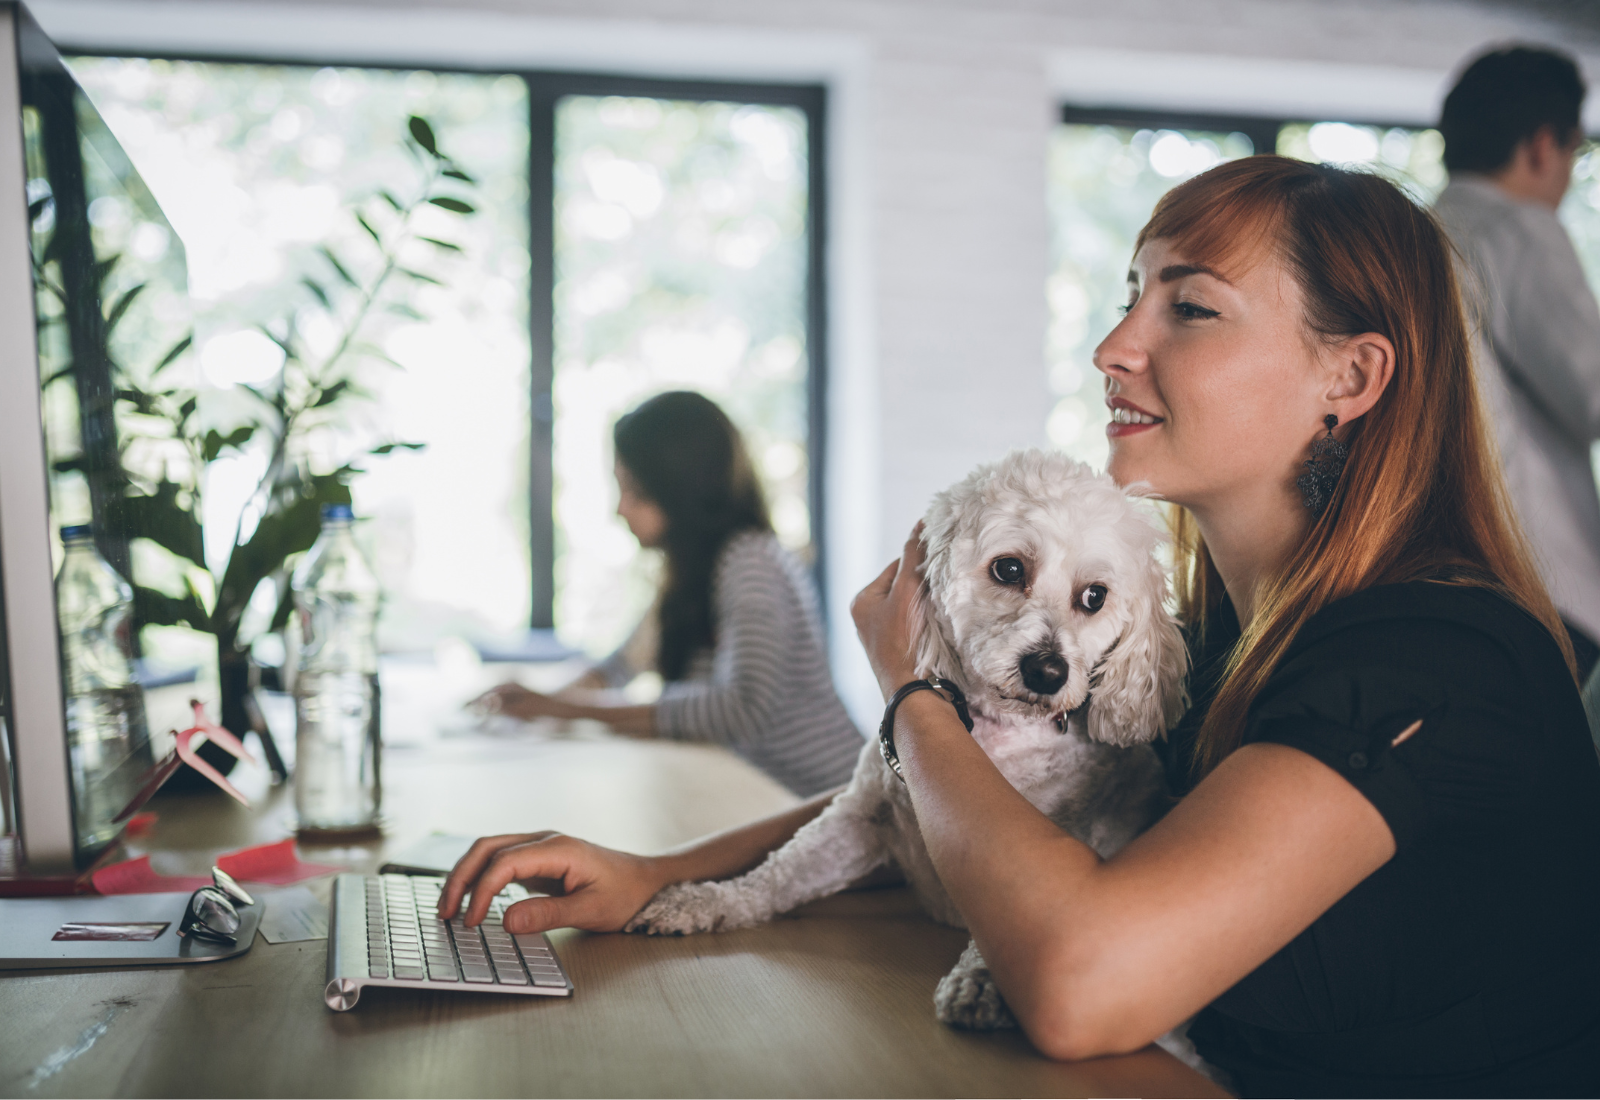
(337, 512)
(76, 531)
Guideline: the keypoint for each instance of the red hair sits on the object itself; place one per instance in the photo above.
(1422, 495)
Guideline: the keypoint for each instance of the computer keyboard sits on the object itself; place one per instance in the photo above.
(382, 931)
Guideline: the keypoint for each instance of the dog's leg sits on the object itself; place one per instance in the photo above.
(838, 847)
(968, 998)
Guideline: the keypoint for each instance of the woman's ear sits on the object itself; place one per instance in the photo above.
(1360, 368)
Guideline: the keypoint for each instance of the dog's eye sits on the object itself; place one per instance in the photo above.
(1008, 571)
(1093, 598)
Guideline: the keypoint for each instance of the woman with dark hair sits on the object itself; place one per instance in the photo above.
(1381, 872)
(735, 631)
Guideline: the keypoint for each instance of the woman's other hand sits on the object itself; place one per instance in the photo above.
(518, 702)
(888, 616)
(595, 888)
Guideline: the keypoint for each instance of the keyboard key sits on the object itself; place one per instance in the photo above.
(477, 977)
(544, 981)
(415, 973)
(443, 976)
(377, 971)
(508, 978)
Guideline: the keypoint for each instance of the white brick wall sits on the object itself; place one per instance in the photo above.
(940, 115)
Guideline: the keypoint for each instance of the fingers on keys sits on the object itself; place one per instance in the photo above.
(467, 869)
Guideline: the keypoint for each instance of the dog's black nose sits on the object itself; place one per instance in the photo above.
(1044, 673)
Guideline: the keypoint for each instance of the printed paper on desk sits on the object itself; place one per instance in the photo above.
(136, 876)
(272, 863)
(294, 914)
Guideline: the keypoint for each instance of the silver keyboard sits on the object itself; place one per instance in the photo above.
(382, 931)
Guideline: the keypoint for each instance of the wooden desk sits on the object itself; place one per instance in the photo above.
(836, 1001)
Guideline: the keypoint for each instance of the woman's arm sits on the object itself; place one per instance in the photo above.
(1101, 956)
(517, 701)
(597, 888)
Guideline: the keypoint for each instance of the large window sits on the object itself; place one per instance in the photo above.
(1108, 168)
(624, 237)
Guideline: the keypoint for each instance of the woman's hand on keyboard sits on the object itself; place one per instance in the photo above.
(594, 888)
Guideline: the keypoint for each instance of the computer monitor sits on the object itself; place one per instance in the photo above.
(92, 295)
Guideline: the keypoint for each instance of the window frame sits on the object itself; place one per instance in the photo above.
(545, 89)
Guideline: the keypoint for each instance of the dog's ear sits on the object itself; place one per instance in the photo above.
(1137, 690)
(932, 642)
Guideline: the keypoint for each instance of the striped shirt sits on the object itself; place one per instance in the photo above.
(764, 690)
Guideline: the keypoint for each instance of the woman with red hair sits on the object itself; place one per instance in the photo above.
(1381, 872)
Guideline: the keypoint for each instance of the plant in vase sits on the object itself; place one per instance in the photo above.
(295, 420)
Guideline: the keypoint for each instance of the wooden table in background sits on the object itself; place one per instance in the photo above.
(835, 1001)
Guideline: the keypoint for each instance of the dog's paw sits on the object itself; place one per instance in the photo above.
(968, 998)
(688, 907)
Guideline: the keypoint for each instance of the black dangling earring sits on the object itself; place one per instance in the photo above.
(1323, 469)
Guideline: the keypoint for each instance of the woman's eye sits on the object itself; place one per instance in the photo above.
(1008, 571)
(1188, 311)
(1093, 598)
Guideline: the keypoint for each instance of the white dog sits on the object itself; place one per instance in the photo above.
(1045, 604)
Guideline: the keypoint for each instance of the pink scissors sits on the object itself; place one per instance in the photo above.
(214, 733)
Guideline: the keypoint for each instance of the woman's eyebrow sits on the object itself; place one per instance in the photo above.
(1178, 271)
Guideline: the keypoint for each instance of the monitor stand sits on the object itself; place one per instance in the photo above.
(30, 927)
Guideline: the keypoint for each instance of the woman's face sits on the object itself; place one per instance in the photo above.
(1214, 383)
(643, 516)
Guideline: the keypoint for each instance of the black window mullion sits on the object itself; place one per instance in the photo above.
(542, 98)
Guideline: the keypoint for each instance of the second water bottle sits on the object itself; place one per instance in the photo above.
(338, 741)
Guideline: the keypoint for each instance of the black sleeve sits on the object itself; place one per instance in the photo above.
(1347, 697)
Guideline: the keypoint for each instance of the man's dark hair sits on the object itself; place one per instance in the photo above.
(1504, 97)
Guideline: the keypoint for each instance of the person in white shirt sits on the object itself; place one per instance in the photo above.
(1511, 130)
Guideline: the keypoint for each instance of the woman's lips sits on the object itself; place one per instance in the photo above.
(1129, 419)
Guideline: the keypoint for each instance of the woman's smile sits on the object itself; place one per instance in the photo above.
(1129, 419)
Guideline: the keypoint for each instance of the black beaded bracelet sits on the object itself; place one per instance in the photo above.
(935, 684)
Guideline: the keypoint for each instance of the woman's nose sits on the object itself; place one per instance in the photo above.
(1120, 352)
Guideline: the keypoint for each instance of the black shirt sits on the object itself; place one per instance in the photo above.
(1469, 964)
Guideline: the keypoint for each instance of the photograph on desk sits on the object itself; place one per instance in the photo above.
(667, 548)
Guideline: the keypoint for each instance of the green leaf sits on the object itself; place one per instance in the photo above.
(457, 174)
(154, 608)
(437, 243)
(139, 400)
(186, 410)
(105, 267)
(316, 291)
(385, 448)
(117, 310)
(455, 206)
(36, 207)
(291, 524)
(160, 518)
(172, 354)
(404, 309)
(261, 397)
(419, 276)
(215, 441)
(284, 342)
(331, 393)
(388, 197)
(371, 232)
(422, 134)
(64, 372)
(333, 261)
(66, 465)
